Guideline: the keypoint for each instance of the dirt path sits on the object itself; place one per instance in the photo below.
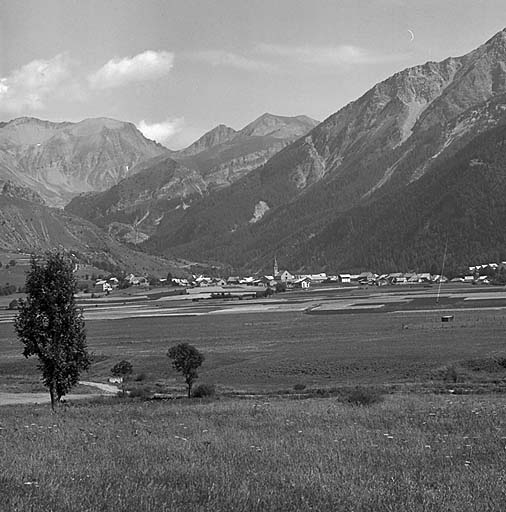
(106, 388)
(43, 398)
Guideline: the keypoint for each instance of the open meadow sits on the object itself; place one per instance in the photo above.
(281, 433)
(409, 453)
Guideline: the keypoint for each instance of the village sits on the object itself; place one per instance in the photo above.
(282, 280)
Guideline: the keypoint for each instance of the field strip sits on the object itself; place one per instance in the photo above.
(140, 314)
(446, 310)
(275, 308)
(113, 307)
(112, 299)
(38, 398)
(487, 296)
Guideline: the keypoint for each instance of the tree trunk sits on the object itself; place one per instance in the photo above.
(54, 397)
(189, 390)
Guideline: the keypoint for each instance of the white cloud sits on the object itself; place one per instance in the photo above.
(325, 55)
(148, 65)
(161, 132)
(32, 85)
(233, 60)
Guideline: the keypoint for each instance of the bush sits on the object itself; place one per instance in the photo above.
(364, 396)
(143, 392)
(13, 304)
(141, 377)
(299, 387)
(204, 390)
(451, 374)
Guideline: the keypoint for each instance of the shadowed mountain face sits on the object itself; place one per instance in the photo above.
(27, 225)
(461, 201)
(61, 160)
(133, 208)
(374, 148)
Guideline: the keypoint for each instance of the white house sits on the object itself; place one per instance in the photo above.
(102, 286)
(304, 283)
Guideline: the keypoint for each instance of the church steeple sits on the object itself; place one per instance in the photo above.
(276, 269)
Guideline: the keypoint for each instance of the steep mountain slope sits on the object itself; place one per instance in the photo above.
(388, 138)
(463, 198)
(32, 227)
(60, 160)
(133, 209)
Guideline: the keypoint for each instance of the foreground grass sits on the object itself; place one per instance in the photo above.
(407, 453)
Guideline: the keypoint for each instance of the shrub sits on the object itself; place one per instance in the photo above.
(204, 390)
(451, 374)
(141, 377)
(143, 392)
(364, 396)
(13, 304)
(299, 387)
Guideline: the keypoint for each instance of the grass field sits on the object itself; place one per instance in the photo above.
(408, 453)
(415, 451)
(263, 352)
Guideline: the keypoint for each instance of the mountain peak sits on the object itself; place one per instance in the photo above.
(218, 135)
(281, 127)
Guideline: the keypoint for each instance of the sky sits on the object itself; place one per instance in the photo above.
(177, 68)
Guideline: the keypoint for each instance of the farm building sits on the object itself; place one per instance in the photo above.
(303, 283)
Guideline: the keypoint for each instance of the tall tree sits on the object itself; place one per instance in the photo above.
(50, 325)
(186, 359)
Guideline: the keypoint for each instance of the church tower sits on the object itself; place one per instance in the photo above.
(276, 269)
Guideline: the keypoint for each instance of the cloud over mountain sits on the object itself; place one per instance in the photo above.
(163, 131)
(148, 65)
(29, 86)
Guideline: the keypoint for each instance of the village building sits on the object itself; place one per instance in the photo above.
(284, 277)
(345, 278)
(102, 286)
(303, 283)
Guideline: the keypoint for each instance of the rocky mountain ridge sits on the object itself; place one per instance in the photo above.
(60, 160)
(133, 208)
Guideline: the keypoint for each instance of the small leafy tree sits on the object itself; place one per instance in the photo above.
(50, 325)
(13, 304)
(122, 369)
(186, 359)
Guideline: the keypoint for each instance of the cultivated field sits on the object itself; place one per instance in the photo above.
(294, 339)
(408, 453)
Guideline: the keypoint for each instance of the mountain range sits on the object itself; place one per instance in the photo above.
(385, 183)
(133, 208)
(60, 160)
(375, 148)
